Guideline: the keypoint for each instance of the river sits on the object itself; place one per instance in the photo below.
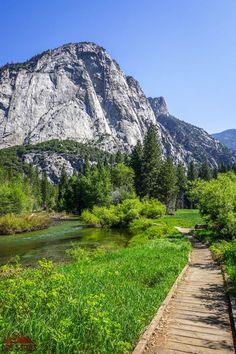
(53, 242)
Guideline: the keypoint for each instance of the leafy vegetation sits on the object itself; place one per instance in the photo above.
(217, 203)
(123, 214)
(13, 224)
(108, 298)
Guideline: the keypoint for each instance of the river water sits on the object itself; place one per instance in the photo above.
(53, 242)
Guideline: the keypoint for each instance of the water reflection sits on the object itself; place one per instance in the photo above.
(53, 242)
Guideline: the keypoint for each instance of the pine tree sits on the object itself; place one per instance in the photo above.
(182, 184)
(151, 162)
(71, 195)
(192, 171)
(119, 157)
(45, 191)
(61, 189)
(136, 164)
(168, 185)
(205, 171)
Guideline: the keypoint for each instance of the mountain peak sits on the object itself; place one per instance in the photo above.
(159, 105)
(78, 92)
(227, 138)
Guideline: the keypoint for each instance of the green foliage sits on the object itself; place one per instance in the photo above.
(226, 253)
(217, 203)
(139, 225)
(16, 196)
(100, 304)
(192, 171)
(48, 192)
(167, 189)
(152, 208)
(95, 187)
(205, 172)
(122, 178)
(182, 186)
(151, 161)
(12, 224)
(89, 218)
(123, 214)
(136, 164)
(153, 232)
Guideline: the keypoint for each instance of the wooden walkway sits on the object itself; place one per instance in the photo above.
(196, 320)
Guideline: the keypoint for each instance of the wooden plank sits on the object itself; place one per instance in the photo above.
(196, 320)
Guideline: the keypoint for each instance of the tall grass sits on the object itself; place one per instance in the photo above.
(99, 304)
(13, 224)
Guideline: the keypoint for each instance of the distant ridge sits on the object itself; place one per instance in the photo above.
(227, 138)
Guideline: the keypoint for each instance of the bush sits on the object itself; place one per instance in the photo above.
(89, 218)
(217, 203)
(155, 232)
(123, 214)
(139, 225)
(152, 208)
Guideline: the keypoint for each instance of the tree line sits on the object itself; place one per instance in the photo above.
(110, 179)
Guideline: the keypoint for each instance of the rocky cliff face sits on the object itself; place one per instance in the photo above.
(78, 92)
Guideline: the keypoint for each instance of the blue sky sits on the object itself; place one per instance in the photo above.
(184, 50)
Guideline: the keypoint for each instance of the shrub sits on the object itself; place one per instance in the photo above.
(128, 211)
(155, 232)
(89, 218)
(152, 208)
(217, 203)
(139, 225)
(123, 214)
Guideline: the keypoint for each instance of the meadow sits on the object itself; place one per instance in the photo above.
(99, 303)
(183, 217)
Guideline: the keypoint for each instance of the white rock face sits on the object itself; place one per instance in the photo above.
(78, 92)
(74, 92)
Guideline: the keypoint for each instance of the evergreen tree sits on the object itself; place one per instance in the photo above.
(71, 195)
(45, 190)
(136, 164)
(119, 157)
(205, 171)
(192, 171)
(168, 185)
(62, 186)
(151, 162)
(182, 184)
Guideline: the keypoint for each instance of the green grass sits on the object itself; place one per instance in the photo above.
(99, 304)
(13, 224)
(183, 217)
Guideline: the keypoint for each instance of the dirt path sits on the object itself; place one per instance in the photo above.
(196, 321)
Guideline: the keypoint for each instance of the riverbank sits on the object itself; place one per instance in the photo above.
(14, 224)
(109, 297)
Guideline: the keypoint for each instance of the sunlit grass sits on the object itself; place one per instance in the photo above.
(183, 217)
(99, 304)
